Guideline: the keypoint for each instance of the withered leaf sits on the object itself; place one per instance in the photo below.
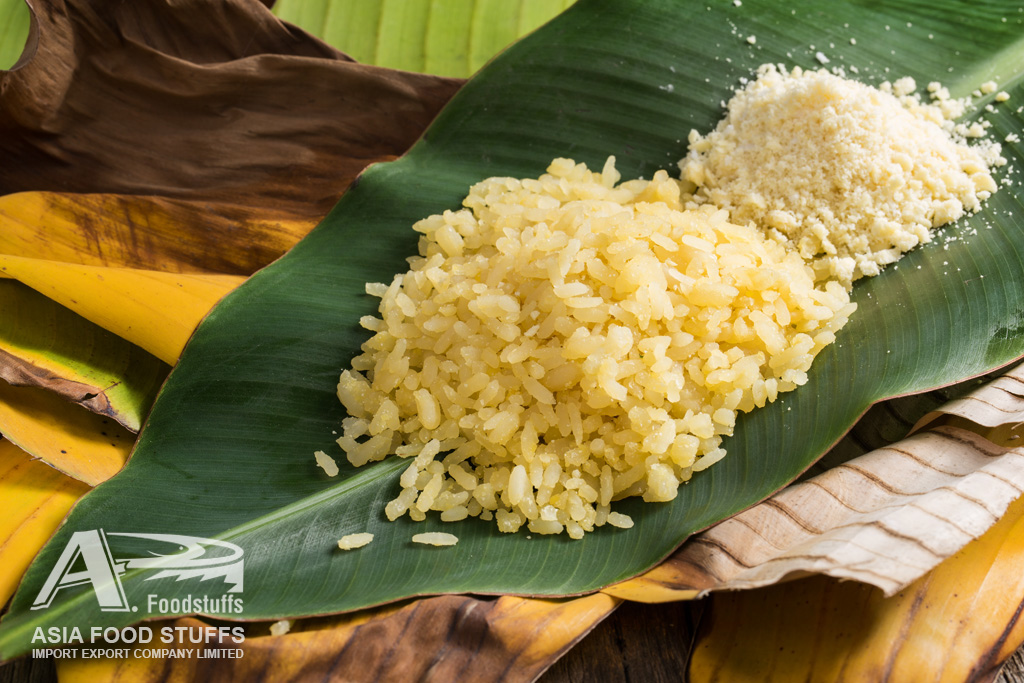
(885, 519)
(151, 233)
(960, 622)
(200, 99)
(997, 403)
(442, 638)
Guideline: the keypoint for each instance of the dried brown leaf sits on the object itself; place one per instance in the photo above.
(959, 622)
(212, 100)
(20, 372)
(444, 638)
(886, 519)
(999, 402)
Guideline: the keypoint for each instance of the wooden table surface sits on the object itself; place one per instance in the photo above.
(650, 643)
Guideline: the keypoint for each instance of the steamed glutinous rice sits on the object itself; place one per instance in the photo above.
(566, 341)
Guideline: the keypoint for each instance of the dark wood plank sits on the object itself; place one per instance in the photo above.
(636, 644)
(1013, 670)
(651, 644)
(28, 670)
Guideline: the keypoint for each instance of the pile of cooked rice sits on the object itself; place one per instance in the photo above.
(566, 341)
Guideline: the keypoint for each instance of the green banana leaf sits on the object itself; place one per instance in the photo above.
(227, 452)
(15, 22)
(441, 37)
(44, 344)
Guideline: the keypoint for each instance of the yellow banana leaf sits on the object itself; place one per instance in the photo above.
(44, 344)
(959, 622)
(154, 310)
(36, 498)
(444, 638)
(79, 443)
(153, 233)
